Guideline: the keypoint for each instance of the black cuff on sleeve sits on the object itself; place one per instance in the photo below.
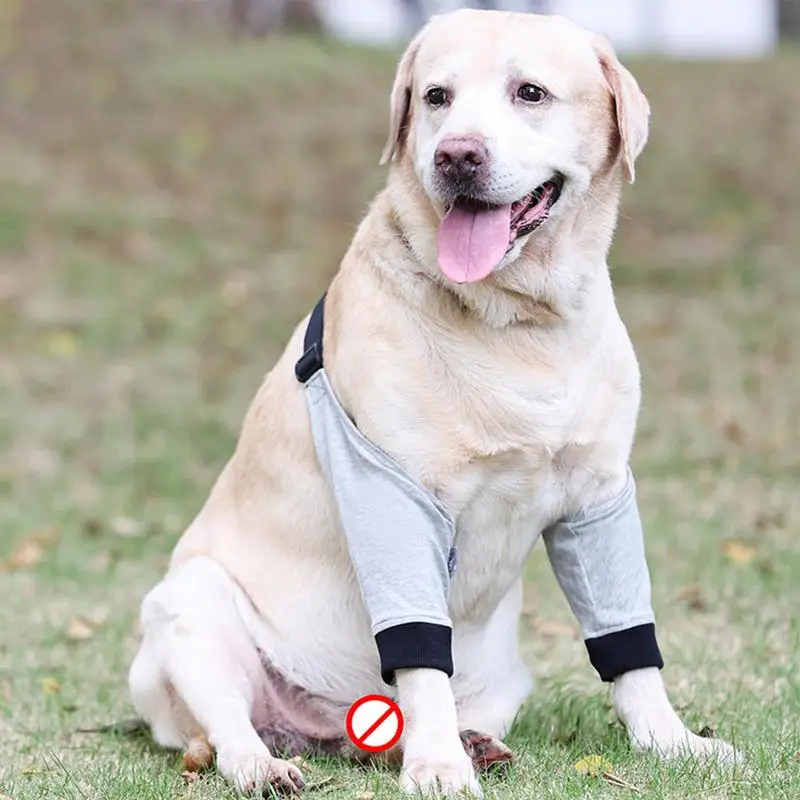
(616, 653)
(415, 645)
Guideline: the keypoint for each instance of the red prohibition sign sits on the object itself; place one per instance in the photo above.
(374, 723)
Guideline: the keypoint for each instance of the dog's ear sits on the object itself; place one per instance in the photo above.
(631, 107)
(400, 102)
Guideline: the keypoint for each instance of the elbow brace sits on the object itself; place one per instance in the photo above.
(398, 534)
(599, 561)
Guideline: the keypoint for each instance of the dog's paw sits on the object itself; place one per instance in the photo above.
(642, 705)
(450, 777)
(708, 749)
(253, 771)
(685, 744)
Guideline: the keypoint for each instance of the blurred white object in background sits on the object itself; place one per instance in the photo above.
(390, 21)
(683, 28)
(366, 21)
(720, 27)
(680, 28)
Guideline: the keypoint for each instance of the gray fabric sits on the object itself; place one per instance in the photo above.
(599, 560)
(398, 534)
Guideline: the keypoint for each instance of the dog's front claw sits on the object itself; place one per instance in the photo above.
(256, 771)
(453, 777)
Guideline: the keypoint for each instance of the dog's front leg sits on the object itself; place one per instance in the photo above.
(641, 702)
(599, 560)
(434, 759)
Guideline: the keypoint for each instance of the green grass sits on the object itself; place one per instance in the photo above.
(171, 202)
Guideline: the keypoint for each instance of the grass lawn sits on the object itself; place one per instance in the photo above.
(171, 202)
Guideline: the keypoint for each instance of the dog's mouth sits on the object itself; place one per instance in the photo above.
(530, 212)
(475, 236)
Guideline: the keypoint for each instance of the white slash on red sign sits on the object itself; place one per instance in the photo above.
(374, 723)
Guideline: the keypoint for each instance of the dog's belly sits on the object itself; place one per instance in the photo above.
(291, 720)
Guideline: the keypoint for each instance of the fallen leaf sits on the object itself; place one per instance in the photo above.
(694, 597)
(92, 527)
(738, 551)
(615, 780)
(27, 554)
(50, 685)
(30, 550)
(733, 432)
(63, 344)
(593, 766)
(79, 630)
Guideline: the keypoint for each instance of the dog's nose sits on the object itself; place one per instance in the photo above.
(462, 158)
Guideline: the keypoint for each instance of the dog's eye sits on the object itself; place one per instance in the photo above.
(436, 96)
(531, 93)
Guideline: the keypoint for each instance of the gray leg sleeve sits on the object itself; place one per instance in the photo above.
(599, 560)
(398, 534)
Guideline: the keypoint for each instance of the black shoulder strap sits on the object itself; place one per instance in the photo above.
(311, 361)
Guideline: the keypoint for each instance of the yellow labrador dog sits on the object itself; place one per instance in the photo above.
(473, 345)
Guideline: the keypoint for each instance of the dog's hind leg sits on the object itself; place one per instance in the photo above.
(198, 673)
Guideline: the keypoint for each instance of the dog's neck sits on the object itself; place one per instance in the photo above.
(556, 277)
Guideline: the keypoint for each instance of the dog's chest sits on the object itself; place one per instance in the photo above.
(509, 444)
(535, 468)
(510, 505)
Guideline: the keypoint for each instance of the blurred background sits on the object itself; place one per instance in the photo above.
(178, 182)
(671, 27)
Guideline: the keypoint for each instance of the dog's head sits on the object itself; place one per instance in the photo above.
(507, 120)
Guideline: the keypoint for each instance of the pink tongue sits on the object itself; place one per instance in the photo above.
(472, 242)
